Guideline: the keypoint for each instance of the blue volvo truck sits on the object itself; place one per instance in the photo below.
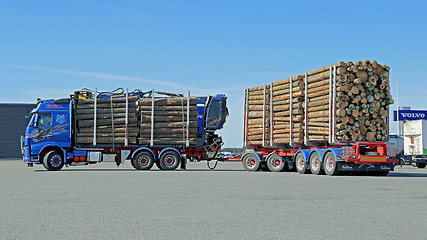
(54, 136)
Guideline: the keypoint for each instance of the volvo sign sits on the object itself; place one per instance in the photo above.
(410, 115)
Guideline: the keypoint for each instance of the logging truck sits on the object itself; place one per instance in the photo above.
(146, 128)
(329, 120)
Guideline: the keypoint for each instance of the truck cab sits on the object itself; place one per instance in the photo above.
(49, 129)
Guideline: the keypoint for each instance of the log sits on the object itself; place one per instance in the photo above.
(104, 116)
(104, 110)
(105, 122)
(104, 100)
(105, 105)
(105, 140)
(168, 124)
(169, 101)
(167, 108)
(116, 134)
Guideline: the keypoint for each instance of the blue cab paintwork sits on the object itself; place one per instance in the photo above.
(57, 133)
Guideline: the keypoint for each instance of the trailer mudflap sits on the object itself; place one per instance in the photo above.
(365, 167)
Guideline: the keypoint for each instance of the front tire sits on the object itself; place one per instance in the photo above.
(330, 164)
(251, 162)
(143, 161)
(53, 161)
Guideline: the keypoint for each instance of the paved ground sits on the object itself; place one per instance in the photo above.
(106, 202)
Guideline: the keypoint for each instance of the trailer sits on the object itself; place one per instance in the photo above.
(146, 128)
(327, 121)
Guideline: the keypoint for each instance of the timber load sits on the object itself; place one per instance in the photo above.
(140, 119)
(346, 101)
(115, 120)
(168, 121)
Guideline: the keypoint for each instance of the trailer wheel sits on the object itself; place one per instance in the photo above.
(300, 163)
(275, 163)
(169, 160)
(330, 164)
(143, 161)
(53, 161)
(420, 165)
(251, 162)
(315, 164)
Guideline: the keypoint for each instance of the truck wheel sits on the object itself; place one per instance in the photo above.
(421, 165)
(275, 163)
(143, 161)
(330, 164)
(169, 160)
(250, 162)
(53, 161)
(300, 163)
(315, 165)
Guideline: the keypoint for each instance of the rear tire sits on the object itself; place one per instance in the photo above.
(275, 163)
(300, 163)
(315, 164)
(169, 160)
(53, 161)
(250, 162)
(330, 164)
(420, 165)
(143, 161)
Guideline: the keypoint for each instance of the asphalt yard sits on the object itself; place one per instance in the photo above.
(107, 202)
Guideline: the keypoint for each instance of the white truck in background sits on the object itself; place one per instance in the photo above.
(415, 141)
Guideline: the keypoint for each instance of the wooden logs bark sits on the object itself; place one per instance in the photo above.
(362, 106)
(169, 116)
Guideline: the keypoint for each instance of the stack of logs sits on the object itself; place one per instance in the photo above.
(170, 121)
(363, 99)
(110, 121)
(362, 105)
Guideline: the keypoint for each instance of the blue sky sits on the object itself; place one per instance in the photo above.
(50, 48)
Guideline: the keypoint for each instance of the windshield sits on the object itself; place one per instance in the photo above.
(32, 120)
(214, 115)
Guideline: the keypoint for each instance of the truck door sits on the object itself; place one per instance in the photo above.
(39, 131)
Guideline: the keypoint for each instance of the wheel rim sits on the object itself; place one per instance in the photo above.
(169, 160)
(300, 163)
(143, 161)
(55, 161)
(277, 163)
(330, 164)
(250, 162)
(315, 163)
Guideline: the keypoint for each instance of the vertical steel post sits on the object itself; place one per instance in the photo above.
(291, 112)
(271, 115)
(152, 119)
(334, 105)
(187, 143)
(94, 117)
(263, 120)
(245, 119)
(126, 119)
(330, 106)
(306, 110)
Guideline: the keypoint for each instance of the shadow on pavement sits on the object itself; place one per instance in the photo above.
(133, 170)
(398, 174)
